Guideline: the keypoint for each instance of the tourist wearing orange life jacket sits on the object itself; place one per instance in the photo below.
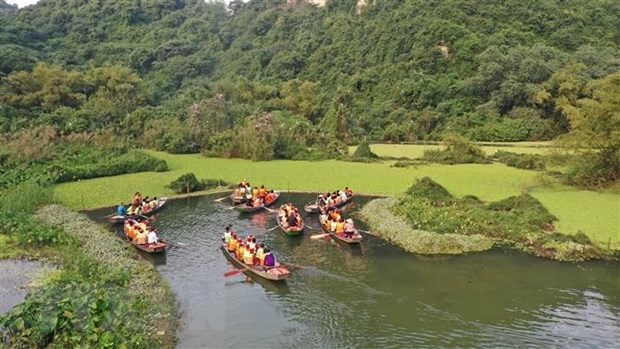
(141, 238)
(340, 226)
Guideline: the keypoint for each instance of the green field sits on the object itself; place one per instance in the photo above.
(416, 151)
(596, 214)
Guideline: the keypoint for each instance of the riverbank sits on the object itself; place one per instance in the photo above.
(128, 301)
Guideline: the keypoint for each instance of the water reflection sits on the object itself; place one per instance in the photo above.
(374, 294)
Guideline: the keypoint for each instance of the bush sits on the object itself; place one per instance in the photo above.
(458, 151)
(533, 162)
(188, 183)
(363, 151)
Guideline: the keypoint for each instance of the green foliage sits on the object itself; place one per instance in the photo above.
(534, 162)
(429, 190)
(458, 150)
(363, 151)
(188, 183)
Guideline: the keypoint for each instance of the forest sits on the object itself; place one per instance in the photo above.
(267, 79)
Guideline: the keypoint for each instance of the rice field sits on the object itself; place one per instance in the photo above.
(595, 214)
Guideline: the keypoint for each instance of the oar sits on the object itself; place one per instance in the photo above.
(220, 199)
(368, 232)
(319, 236)
(234, 272)
(294, 266)
(269, 210)
(276, 227)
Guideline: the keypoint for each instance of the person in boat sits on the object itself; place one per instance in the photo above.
(343, 195)
(340, 226)
(248, 257)
(232, 244)
(152, 237)
(137, 198)
(260, 254)
(245, 183)
(240, 249)
(262, 192)
(348, 191)
(154, 203)
(141, 237)
(121, 210)
(349, 228)
(227, 235)
(291, 220)
(270, 258)
(145, 206)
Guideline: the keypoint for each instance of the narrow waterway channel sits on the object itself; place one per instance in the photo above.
(375, 295)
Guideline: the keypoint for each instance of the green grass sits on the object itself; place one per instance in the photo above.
(488, 182)
(415, 151)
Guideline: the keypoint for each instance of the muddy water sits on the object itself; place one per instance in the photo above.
(375, 295)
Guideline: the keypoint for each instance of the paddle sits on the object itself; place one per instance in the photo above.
(319, 236)
(234, 272)
(269, 210)
(220, 199)
(367, 232)
(294, 266)
(276, 227)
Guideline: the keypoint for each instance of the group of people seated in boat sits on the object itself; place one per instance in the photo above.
(335, 223)
(254, 196)
(249, 251)
(140, 232)
(138, 206)
(334, 198)
(289, 216)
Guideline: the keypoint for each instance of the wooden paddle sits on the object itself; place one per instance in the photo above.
(319, 236)
(220, 199)
(234, 272)
(276, 227)
(367, 232)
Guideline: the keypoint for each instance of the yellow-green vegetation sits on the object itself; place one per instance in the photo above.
(416, 151)
(490, 182)
(467, 224)
(102, 295)
(397, 230)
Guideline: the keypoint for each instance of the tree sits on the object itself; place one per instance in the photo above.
(594, 133)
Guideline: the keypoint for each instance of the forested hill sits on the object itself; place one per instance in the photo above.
(192, 74)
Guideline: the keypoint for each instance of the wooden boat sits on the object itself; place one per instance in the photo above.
(114, 218)
(237, 199)
(151, 248)
(293, 231)
(245, 208)
(276, 273)
(355, 239)
(315, 208)
(148, 248)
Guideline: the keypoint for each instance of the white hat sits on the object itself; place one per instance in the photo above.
(349, 220)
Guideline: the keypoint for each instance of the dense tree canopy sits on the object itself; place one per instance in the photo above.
(192, 73)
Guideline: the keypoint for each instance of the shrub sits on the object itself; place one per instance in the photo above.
(535, 162)
(458, 150)
(363, 151)
(187, 183)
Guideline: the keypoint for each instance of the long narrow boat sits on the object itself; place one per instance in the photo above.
(276, 273)
(355, 239)
(151, 248)
(114, 218)
(245, 208)
(237, 199)
(148, 248)
(315, 208)
(290, 231)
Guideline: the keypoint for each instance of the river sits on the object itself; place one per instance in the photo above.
(375, 295)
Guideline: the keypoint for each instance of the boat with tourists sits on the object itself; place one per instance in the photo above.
(149, 242)
(156, 207)
(289, 220)
(276, 273)
(328, 201)
(339, 228)
(270, 199)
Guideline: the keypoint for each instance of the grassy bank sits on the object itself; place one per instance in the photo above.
(102, 295)
(599, 218)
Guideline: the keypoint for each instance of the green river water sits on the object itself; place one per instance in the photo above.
(375, 295)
